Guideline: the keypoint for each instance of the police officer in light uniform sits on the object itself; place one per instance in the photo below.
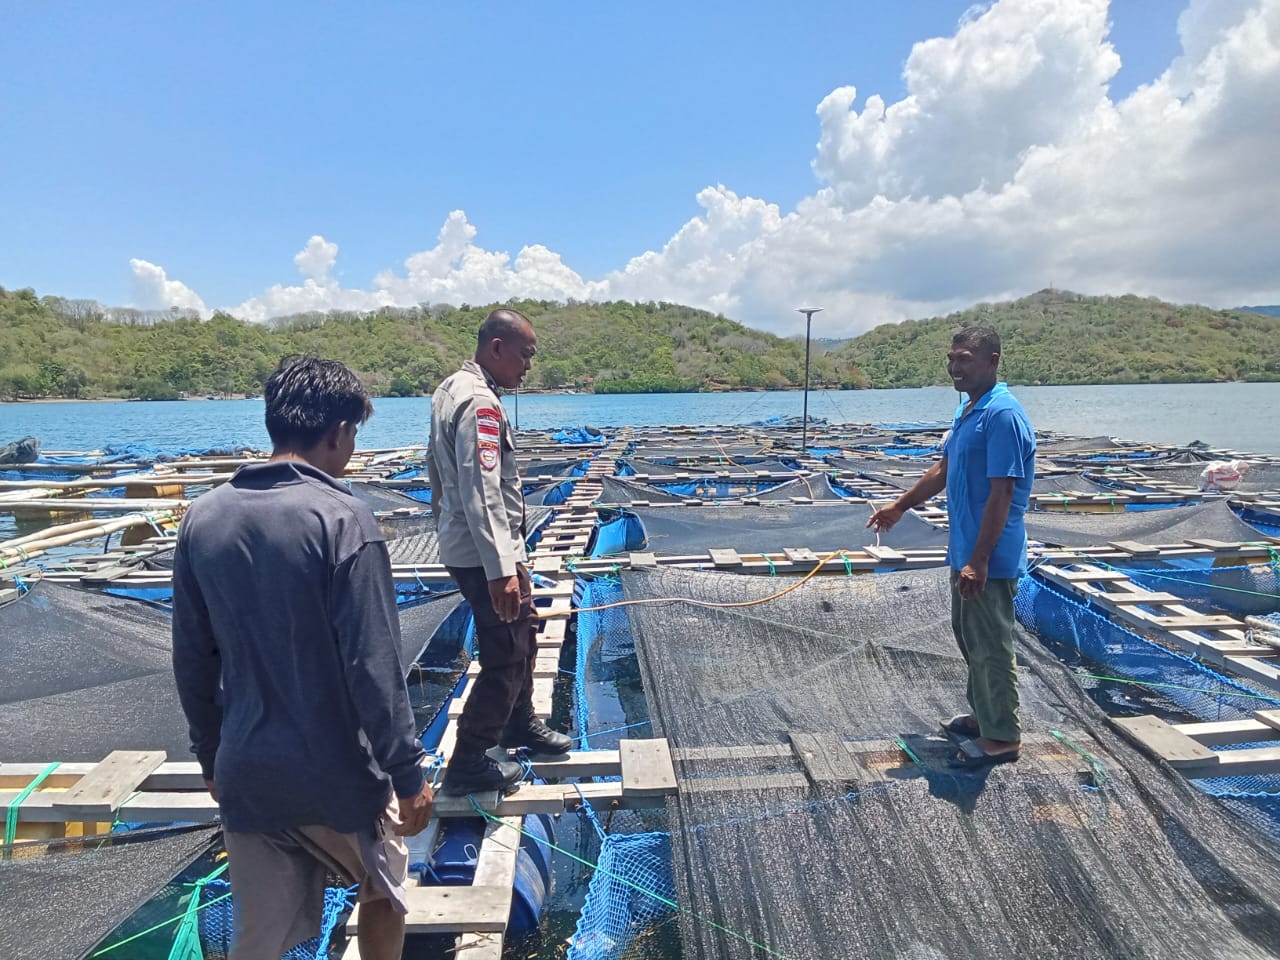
(479, 508)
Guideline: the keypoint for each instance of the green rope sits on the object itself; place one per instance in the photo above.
(630, 883)
(848, 564)
(164, 923)
(1194, 583)
(1096, 767)
(186, 942)
(773, 571)
(11, 812)
(908, 751)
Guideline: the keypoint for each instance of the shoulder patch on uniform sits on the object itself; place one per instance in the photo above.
(488, 423)
(488, 455)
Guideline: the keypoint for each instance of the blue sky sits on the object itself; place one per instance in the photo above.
(213, 141)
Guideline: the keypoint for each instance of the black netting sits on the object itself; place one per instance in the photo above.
(1086, 444)
(1085, 848)
(82, 674)
(421, 547)
(617, 491)
(384, 498)
(747, 466)
(60, 899)
(1067, 484)
(1210, 521)
(822, 527)
(1257, 478)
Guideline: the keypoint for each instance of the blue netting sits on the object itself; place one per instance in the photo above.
(408, 473)
(1250, 589)
(625, 469)
(1143, 507)
(632, 888)
(620, 535)
(1268, 523)
(215, 922)
(1188, 684)
(421, 494)
(1191, 686)
(604, 638)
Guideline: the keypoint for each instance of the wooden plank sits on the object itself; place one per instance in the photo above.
(800, 555)
(1223, 733)
(1143, 598)
(768, 781)
(745, 752)
(824, 757)
(1090, 576)
(101, 791)
(1216, 546)
(887, 554)
(454, 909)
(1268, 718)
(1195, 622)
(641, 561)
(724, 557)
(547, 565)
(1164, 741)
(1135, 548)
(647, 769)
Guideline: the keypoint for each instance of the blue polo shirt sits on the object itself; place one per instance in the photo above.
(994, 439)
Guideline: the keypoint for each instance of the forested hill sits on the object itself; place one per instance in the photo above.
(55, 347)
(1057, 337)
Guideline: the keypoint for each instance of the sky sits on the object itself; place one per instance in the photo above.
(882, 159)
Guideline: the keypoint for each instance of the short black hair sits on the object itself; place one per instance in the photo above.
(502, 324)
(978, 339)
(306, 397)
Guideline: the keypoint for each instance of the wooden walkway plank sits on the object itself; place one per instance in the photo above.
(101, 791)
(647, 769)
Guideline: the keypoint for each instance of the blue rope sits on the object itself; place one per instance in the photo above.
(589, 812)
(336, 902)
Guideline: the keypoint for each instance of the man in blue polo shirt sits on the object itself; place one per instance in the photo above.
(987, 468)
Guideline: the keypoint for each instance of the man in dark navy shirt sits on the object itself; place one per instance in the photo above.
(987, 468)
(287, 659)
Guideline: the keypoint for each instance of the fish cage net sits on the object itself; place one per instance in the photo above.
(1172, 524)
(818, 816)
(78, 898)
(632, 891)
(1241, 589)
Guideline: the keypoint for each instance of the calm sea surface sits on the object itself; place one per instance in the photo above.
(1240, 416)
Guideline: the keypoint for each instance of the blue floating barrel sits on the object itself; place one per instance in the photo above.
(459, 846)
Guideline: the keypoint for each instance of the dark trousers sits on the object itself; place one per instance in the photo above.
(504, 687)
(984, 630)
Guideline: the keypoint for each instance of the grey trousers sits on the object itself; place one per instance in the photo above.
(984, 630)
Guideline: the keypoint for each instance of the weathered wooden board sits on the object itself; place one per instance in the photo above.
(647, 769)
(101, 791)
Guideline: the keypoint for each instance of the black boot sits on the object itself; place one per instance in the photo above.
(471, 771)
(524, 729)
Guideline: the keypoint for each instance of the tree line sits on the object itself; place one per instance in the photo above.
(57, 348)
(52, 347)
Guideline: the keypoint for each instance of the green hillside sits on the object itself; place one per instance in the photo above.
(1056, 337)
(53, 347)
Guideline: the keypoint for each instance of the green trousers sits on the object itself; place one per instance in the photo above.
(984, 630)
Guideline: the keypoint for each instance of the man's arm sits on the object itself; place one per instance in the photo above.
(995, 514)
(478, 450)
(367, 626)
(197, 665)
(931, 484)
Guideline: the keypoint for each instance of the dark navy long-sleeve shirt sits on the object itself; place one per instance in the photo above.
(286, 653)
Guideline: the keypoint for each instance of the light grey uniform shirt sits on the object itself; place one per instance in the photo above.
(476, 493)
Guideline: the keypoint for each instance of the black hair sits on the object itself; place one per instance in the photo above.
(502, 324)
(978, 339)
(306, 397)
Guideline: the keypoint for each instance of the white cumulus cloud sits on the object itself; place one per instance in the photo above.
(1007, 166)
(153, 290)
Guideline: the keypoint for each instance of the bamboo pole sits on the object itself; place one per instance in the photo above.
(105, 483)
(52, 538)
(93, 505)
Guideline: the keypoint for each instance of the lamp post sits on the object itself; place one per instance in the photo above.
(804, 425)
